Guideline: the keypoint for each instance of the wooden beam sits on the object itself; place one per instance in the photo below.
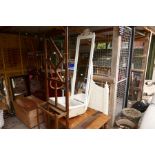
(146, 51)
(80, 29)
(46, 69)
(100, 78)
(66, 77)
(116, 42)
(138, 70)
(149, 29)
(6, 79)
(110, 29)
(5, 28)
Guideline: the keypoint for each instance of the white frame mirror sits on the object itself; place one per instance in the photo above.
(84, 36)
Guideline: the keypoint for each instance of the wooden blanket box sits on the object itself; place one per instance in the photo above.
(26, 110)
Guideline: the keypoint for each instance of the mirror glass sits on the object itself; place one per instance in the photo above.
(82, 66)
(19, 85)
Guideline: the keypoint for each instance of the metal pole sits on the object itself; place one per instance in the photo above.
(130, 63)
(66, 77)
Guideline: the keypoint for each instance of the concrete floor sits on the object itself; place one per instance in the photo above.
(13, 122)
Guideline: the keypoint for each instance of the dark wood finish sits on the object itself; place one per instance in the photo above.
(66, 78)
(46, 69)
(54, 112)
(51, 113)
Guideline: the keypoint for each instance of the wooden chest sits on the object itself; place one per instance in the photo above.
(26, 110)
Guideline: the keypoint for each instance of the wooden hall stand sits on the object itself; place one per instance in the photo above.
(54, 79)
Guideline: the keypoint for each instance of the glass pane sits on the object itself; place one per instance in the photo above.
(19, 86)
(82, 66)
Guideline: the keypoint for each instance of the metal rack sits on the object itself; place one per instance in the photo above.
(123, 68)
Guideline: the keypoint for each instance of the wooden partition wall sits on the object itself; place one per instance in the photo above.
(17, 53)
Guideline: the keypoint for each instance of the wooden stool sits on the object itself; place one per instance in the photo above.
(26, 110)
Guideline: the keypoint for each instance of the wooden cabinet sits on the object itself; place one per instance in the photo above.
(138, 68)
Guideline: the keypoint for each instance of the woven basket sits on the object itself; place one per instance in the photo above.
(124, 123)
(132, 114)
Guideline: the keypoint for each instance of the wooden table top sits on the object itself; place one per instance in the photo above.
(91, 119)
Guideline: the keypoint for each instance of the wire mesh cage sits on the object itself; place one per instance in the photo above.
(103, 55)
(138, 55)
(135, 85)
(123, 68)
(138, 63)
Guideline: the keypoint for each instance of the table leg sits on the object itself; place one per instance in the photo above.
(56, 122)
(106, 126)
(38, 118)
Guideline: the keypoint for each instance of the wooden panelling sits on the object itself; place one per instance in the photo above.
(14, 56)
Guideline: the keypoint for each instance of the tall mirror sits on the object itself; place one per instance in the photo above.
(82, 66)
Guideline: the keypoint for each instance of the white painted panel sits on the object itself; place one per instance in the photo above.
(1, 119)
(99, 98)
